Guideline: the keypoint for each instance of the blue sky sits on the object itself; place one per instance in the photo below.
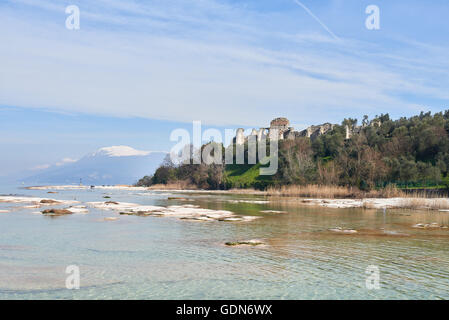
(138, 69)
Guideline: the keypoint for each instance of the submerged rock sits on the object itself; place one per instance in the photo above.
(433, 225)
(111, 219)
(197, 219)
(231, 219)
(395, 233)
(49, 201)
(136, 213)
(245, 243)
(56, 212)
(111, 202)
(250, 201)
(239, 218)
(341, 230)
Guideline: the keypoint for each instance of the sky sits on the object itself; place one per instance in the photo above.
(136, 70)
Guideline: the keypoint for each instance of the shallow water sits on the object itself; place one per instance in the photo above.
(168, 258)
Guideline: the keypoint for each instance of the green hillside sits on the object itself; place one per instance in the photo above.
(245, 176)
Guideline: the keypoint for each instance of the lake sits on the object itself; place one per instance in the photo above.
(157, 257)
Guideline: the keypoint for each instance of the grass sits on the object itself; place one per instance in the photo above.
(245, 176)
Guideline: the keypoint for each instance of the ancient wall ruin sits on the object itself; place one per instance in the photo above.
(280, 129)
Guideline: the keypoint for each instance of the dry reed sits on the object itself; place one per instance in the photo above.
(422, 201)
(314, 191)
(332, 192)
(179, 185)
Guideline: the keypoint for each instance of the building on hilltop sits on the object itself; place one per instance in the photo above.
(280, 129)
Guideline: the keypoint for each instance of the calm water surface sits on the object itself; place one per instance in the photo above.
(168, 258)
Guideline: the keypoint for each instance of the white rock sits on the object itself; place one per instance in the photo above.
(339, 229)
(249, 201)
(78, 209)
(34, 200)
(187, 211)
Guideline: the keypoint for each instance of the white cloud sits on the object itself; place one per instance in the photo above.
(57, 164)
(65, 161)
(41, 167)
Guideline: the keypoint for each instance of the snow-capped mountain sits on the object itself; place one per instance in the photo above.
(109, 165)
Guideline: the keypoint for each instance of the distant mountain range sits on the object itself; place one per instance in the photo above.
(110, 165)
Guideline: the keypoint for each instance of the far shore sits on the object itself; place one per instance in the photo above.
(402, 202)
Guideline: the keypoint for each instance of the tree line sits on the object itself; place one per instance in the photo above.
(408, 152)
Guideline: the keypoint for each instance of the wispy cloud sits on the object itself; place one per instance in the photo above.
(316, 19)
(57, 164)
(41, 167)
(65, 161)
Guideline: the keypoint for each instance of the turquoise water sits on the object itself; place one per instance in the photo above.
(168, 258)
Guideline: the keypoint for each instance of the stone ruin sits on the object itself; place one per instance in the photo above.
(280, 128)
(350, 131)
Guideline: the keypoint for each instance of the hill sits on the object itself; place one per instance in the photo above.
(407, 152)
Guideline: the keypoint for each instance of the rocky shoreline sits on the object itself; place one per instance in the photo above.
(441, 204)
